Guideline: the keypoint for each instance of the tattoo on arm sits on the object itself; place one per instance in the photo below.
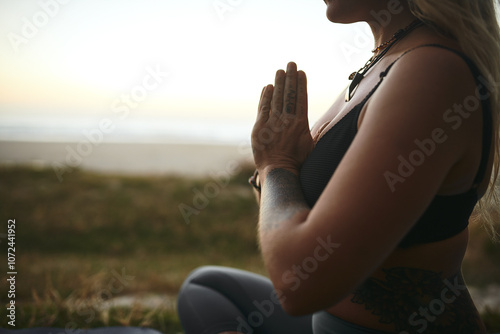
(281, 199)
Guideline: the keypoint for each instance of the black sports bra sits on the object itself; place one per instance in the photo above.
(445, 216)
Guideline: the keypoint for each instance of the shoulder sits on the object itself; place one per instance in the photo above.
(431, 69)
(422, 85)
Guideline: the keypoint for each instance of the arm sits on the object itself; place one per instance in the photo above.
(317, 256)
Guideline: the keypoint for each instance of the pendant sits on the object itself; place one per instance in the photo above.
(356, 79)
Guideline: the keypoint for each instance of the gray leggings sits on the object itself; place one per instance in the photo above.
(217, 299)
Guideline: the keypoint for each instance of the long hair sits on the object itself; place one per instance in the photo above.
(474, 25)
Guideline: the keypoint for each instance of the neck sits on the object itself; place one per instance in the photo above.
(388, 20)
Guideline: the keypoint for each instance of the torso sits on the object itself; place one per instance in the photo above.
(423, 272)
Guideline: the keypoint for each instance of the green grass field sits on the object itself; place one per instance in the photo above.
(94, 238)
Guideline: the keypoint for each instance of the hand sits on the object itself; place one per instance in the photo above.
(281, 137)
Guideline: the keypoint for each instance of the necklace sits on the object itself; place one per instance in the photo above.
(356, 77)
(385, 44)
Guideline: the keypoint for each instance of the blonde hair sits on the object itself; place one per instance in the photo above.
(474, 25)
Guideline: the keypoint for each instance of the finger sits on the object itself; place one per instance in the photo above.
(279, 86)
(262, 93)
(290, 94)
(301, 94)
(260, 99)
(265, 103)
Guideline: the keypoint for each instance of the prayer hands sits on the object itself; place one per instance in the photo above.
(281, 137)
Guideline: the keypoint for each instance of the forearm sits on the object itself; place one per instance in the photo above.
(282, 203)
(283, 210)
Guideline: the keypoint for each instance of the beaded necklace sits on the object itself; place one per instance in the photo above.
(356, 77)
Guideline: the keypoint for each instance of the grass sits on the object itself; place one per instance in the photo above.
(95, 237)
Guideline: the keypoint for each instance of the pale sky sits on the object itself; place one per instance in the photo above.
(80, 57)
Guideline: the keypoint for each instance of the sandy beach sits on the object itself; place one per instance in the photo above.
(126, 158)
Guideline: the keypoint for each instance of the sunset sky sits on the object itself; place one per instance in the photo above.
(82, 58)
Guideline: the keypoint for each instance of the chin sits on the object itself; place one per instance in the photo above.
(343, 11)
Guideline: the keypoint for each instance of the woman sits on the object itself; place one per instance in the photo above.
(363, 219)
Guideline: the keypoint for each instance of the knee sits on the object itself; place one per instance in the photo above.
(202, 274)
(195, 285)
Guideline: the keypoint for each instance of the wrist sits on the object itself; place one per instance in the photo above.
(264, 171)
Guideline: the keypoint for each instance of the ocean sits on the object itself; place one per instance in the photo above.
(132, 146)
(130, 130)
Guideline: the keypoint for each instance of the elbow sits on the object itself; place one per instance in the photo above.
(290, 303)
(295, 309)
(311, 286)
(301, 292)
(306, 299)
(297, 306)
